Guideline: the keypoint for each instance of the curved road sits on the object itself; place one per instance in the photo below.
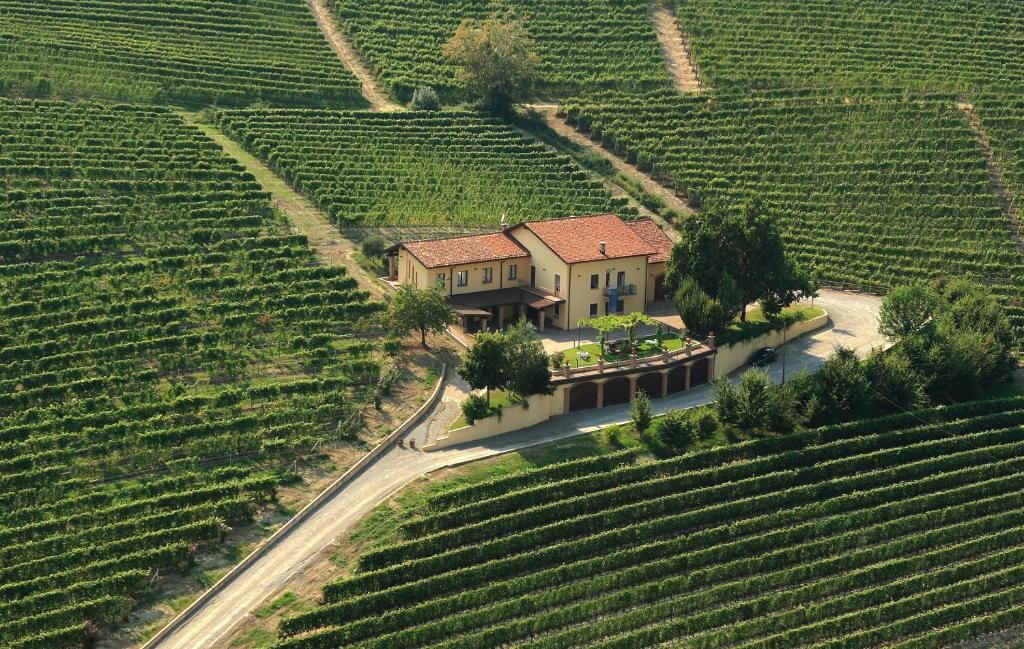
(854, 324)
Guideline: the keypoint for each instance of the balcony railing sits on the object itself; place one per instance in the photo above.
(621, 290)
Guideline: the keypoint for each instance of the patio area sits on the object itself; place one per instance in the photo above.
(618, 349)
(664, 311)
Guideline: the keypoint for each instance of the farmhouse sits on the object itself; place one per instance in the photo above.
(555, 272)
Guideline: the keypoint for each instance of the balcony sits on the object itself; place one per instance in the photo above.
(621, 290)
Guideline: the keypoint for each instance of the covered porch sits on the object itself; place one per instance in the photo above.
(490, 310)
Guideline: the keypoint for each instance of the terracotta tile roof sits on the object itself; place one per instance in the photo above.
(577, 239)
(650, 232)
(470, 249)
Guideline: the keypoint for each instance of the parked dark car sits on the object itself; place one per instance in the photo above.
(763, 357)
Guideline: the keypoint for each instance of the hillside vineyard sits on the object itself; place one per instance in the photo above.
(870, 187)
(178, 51)
(458, 169)
(937, 45)
(902, 532)
(145, 290)
(584, 46)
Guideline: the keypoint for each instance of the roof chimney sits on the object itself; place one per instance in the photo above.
(603, 247)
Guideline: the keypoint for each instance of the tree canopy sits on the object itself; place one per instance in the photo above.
(736, 257)
(419, 309)
(514, 360)
(495, 61)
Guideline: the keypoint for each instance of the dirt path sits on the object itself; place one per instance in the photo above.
(1015, 223)
(303, 216)
(676, 48)
(650, 185)
(339, 43)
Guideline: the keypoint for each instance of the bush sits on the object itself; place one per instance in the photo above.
(475, 407)
(557, 360)
(425, 98)
(373, 246)
(392, 345)
(677, 430)
(640, 410)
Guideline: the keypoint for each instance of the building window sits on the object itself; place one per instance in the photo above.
(608, 279)
(441, 279)
(488, 275)
(593, 310)
(513, 271)
(594, 281)
(621, 279)
(558, 284)
(620, 307)
(463, 278)
(557, 310)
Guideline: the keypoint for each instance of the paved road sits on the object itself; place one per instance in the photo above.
(854, 325)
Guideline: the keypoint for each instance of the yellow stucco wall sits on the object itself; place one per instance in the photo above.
(575, 280)
(583, 296)
(548, 264)
(411, 271)
(654, 271)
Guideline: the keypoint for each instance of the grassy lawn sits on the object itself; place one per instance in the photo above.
(757, 324)
(499, 399)
(645, 347)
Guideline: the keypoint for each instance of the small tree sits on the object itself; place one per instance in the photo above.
(494, 60)
(906, 311)
(419, 309)
(842, 387)
(755, 404)
(425, 98)
(640, 410)
(699, 312)
(373, 246)
(485, 363)
(526, 361)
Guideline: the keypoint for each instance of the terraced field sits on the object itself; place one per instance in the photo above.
(1002, 119)
(904, 531)
(871, 188)
(584, 45)
(939, 45)
(157, 327)
(452, 168)
(225, 52)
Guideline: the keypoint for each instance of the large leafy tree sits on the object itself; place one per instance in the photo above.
(907, 310)
(485, 365)
(514, 361)
(736, 257)
(527, 362)
(494, 60)
(424, 310)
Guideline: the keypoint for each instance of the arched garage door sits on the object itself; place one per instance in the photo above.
(650, 383)
(583, 396)
(616, 391)
(677, 379)
(699, 373)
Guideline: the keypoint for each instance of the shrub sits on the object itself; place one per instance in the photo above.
(557, 360)
(425, 98)
(373, 246)
(641, 411)
(475, 407)
(677, 430)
